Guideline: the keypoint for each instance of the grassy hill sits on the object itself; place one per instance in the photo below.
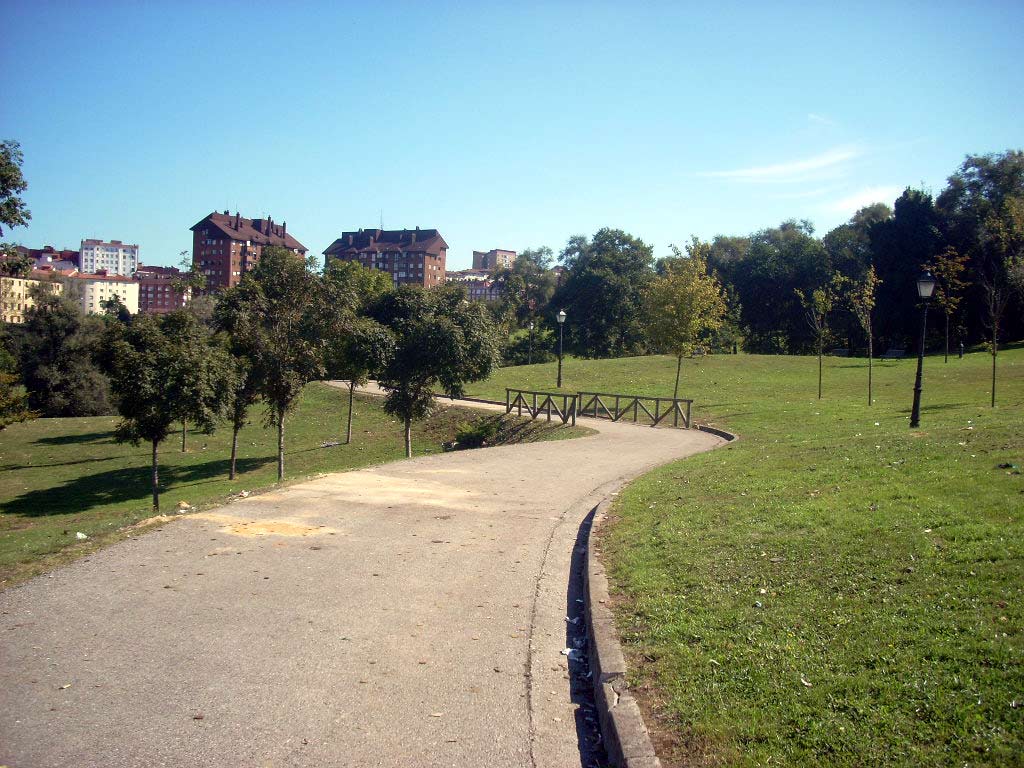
(834, 588)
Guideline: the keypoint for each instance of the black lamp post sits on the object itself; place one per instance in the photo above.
(561, 326)
(530, 359)
(925, 288)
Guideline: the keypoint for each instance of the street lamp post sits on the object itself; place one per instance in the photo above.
(530, 359)
(561, 326)
(925, 287)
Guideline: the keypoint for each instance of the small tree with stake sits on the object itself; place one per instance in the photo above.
(1004, 236)
(360, 351)
(155, 365)
(947, 267)
(817, 306)
(441, 341)
(860, 298)
(684, 304)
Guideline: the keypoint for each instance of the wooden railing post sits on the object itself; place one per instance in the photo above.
(688, 404)
(508, 399)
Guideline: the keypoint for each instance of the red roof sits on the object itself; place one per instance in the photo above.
(258, 231)
(388, 241)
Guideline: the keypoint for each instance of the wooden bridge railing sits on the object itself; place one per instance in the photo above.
(605, 405)
(538, 403)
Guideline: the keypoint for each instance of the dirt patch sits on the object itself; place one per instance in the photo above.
(251, 528)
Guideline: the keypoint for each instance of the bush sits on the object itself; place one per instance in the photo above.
(477, 433)
(517, 350)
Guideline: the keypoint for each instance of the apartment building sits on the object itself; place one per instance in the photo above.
(114, 257)
(225, 247)
(496, 258)
(16, 294)
(411, 256)
(90, 290)
(159, 291)
(480, 286)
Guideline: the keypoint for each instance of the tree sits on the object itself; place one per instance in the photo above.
(245, 393)
(946, 267)
(602, 293)
(529, 285)
(817, 305)
(1003, 234)
(116, 309)
(277, 316)
(13, 401)
(360, 351)
(441, 341)
(158, 363)
(860, 298)
(684, 304)
(58, 356)
(17, 265)
(13, 212)
(357, 347)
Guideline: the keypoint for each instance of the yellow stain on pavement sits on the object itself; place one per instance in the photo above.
(240, 526)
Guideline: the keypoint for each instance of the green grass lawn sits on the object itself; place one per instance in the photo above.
(834, 588)
(59, 477)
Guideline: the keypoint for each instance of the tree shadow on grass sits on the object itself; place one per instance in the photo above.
(86, 437)
(118, 486)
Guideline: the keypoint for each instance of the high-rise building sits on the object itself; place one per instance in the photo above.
(115, 257)
(410, 256)
(225, 247)
(91, 290)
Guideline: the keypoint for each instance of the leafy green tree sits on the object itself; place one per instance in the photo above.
(277, 316)
(58, 357)
(441, 341)
(602, 293)
(817, 305)
(246, 392)
(529, 285)
(13, 212)
(362, 349)
(684, 305)
(17, 265)
(157, 364)
(116, 309)
(947, 267)
(859, 296)
(13, 401)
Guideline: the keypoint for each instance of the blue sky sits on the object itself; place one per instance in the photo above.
(504, 125)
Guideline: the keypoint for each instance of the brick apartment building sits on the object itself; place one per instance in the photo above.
(158, 293)
(410, 256)
(496, 258)
(224, 247)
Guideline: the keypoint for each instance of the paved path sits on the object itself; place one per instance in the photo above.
(410, 614)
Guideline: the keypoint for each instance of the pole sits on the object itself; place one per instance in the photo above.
(530, 360)
(561, 326)
(915, 413)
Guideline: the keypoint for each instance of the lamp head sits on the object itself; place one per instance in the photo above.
(925, 285)
(561, 316)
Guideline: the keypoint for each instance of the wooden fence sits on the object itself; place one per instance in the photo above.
(605, 405)
(600, 405)
(538, 403)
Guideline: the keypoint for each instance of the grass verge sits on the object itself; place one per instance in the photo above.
(834, 588)
(59, 477)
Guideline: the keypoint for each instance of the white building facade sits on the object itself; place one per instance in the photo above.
(115, 257)
(89, 291)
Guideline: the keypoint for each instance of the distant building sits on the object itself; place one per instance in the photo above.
(16, 294)
(225, 247)
(410, 256)
(479, 284)
(48, 256)
(90, 290)
(115, 257)
(158, 293)
(496, 258)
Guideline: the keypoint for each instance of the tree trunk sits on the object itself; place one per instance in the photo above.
(156, 480)
(234, 451)
(184, 426)
(946, 357)
(679, 364)
(351, 392)
(995, 339)
(870, 355)
(819, 368)
(408, 437)
(280, 445)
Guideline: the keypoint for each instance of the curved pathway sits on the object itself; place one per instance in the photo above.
(409, 614)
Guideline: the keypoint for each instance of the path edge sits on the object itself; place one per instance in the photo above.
(626, 739)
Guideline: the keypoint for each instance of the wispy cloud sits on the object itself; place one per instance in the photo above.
(821, 120)
(819, 166)
(854, 202)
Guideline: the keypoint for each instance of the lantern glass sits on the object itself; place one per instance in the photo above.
(561, 316)
(925, 286)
